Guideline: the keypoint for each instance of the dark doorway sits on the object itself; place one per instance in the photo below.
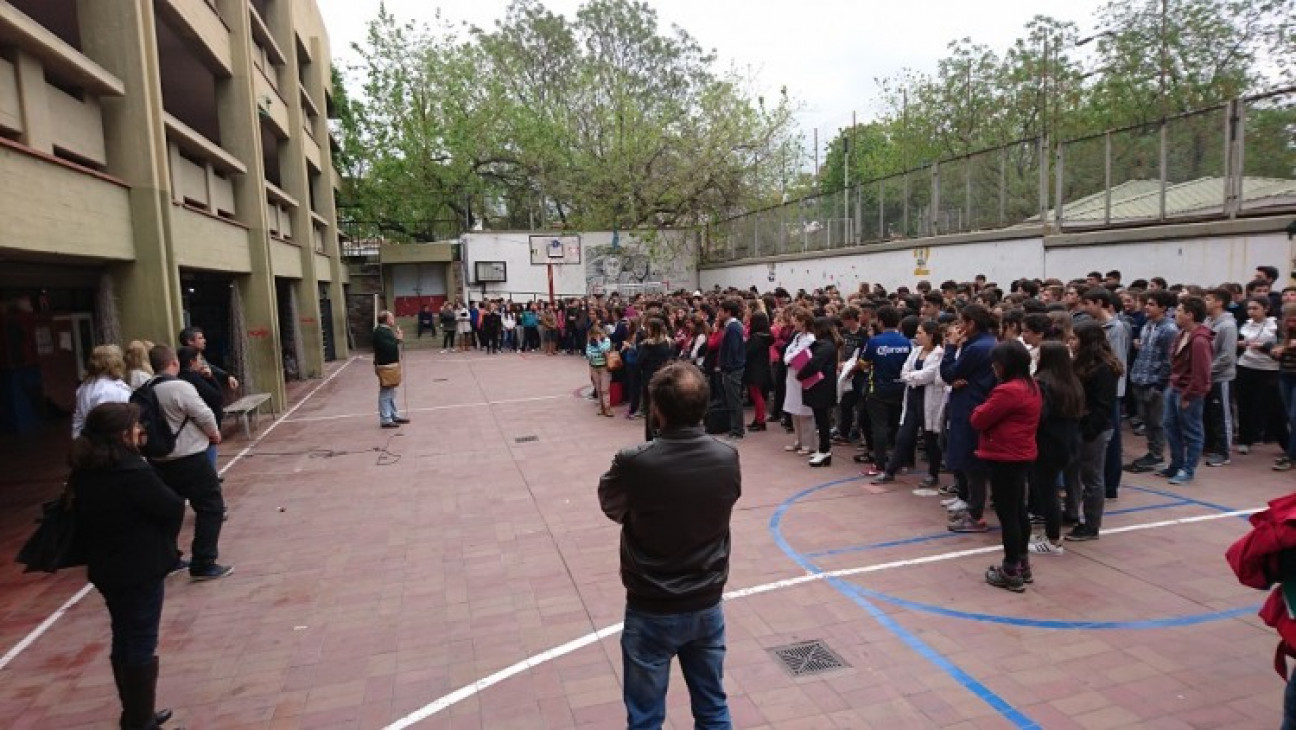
(207, 305)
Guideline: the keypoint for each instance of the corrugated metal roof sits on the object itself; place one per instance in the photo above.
(1140, 199)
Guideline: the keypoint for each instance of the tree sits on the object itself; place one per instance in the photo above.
(601, 121)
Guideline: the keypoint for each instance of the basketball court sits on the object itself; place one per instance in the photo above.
(458, 573)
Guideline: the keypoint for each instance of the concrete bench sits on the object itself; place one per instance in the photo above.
(246, 409)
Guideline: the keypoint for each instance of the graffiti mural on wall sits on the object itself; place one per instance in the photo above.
(636, 262)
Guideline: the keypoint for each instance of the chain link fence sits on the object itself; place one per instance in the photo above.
(1218, 162)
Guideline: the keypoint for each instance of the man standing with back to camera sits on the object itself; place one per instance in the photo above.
(673, 498)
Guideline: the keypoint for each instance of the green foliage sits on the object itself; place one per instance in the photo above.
(601, 121)
(1150, 59)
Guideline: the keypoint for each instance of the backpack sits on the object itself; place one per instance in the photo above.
(160, 441)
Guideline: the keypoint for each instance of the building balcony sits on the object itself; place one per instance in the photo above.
(198, 23)
(53, 206)
(201, 170)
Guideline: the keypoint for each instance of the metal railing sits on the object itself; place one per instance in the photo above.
(1219, 162)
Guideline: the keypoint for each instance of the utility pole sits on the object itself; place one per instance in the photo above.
(816, 150)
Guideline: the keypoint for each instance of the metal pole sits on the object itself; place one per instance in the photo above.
(1107, 179)
(1164, 171)
(1003, 186)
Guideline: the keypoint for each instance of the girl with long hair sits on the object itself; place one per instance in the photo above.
(1006, 423)
(1057, 440)
(756, 375)
(793, 405)
(654, 353)
(136, 359)
(924, 405)
(1260, 413)
(818, 380)
(127, 521)
(1099, 370)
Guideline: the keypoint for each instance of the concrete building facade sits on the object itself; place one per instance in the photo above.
(165, 163)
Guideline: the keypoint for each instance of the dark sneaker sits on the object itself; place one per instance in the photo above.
(1217, 460)
(883, 478)
(1282, 463)
(1000, 578)
(1155, 462)
(210, 572)
(948, 489)
(967, 524)
(1166, 473)
(400, 419)
(1027, 576)
(1081, 533)
(180, 564)
(391, 424)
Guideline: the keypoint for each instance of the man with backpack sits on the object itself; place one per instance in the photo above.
(179, 427)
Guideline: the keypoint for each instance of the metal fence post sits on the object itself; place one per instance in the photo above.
(1041, 151)
(1165, 172)
(1107, 178)
(881, 211)
(933, 215)
(1057, 194)
(1003, 186)
(967, 193)
(1234, 129)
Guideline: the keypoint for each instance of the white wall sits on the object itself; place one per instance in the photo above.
(659, 257)
(1000, 261)
(1201, 259)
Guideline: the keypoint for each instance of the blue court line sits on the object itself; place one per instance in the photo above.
(946, 535)
(970, 683)
(1054, 624)
(1189, 500)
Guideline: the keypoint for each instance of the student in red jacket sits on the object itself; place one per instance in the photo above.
(1006, 424)
(1190, 382)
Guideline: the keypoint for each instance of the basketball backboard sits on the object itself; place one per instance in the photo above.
(555, 249)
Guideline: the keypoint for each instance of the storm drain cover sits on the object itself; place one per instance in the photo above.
(525, 439)
(806, 658)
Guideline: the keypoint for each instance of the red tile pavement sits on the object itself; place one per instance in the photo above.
(407, 564)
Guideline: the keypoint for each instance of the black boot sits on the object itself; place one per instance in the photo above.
(137, 687)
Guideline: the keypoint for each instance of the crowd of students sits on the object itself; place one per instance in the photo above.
(1019, 392)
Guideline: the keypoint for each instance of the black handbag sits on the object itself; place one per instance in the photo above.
(54, 543)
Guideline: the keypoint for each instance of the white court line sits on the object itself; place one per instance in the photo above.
(371, 414)
(469, 690)
(45, 625)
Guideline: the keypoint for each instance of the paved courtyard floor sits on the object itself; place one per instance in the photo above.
(458, 573)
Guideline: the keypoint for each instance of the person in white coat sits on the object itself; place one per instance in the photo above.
(796, 357)
(104, 383)
(924, 405)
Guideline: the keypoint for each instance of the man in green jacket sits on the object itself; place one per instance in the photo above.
(387, 338)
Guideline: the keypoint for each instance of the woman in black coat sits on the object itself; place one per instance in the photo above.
(655, 351)
(127, 524)
(757, 375)
(822, 396)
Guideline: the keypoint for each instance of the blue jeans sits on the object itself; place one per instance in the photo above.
(1287, 389)
(387, 405)
(212, 452)
(135, 613)
(1184, 431)
(648, 644)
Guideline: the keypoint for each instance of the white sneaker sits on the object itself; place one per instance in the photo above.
(820, 459)
(957, 505)
(951, 500)
(1243, 449)
(1040, 545)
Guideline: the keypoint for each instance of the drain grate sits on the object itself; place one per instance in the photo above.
(525, 439)
(806, 658)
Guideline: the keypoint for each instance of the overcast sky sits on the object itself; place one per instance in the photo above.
(826, 52)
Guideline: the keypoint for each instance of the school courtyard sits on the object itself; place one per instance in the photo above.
(458, 573)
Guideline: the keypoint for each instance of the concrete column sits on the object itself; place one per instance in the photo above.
(33, 104)
(296, 182)
(120, 35)
(241, 137)
(315, 86)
